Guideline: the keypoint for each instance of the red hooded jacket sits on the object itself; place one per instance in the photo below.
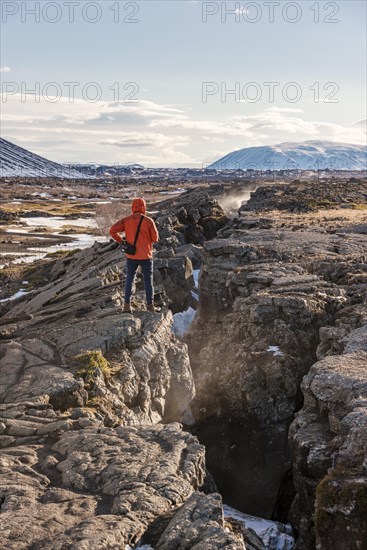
(148, 231)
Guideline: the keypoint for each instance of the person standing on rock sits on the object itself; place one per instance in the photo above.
(142, 229)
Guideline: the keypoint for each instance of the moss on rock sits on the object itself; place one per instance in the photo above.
(341, 506)
(88, 363)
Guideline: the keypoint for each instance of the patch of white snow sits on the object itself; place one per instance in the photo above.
(275, 535)
(18, 294)
(275, 350)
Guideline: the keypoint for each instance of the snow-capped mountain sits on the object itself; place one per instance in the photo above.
(307, 155)
(16, 161)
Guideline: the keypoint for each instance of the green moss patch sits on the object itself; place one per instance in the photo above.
(340, 490)
(88, 363)
(359, 206)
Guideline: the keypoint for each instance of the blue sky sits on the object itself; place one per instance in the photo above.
(169, 52)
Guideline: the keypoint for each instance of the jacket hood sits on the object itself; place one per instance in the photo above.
(139, 205)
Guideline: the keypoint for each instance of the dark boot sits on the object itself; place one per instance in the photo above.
(127, 308)
(153, 308)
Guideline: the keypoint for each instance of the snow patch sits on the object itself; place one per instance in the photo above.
(195, 274)
(183, 319)
(18, 294)
(43, 195)
(275, 535)
(79, 240)
(56, 222)
(275, 350)
(178, 190)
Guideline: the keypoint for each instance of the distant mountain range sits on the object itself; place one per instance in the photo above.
(16, 161)
(101, 170)
(308, 155)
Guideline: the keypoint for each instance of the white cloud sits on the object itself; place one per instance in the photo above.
(154, 134)
(155, 141)
(275, 109)
(5, 69)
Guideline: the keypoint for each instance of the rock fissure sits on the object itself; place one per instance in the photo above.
(266, 295)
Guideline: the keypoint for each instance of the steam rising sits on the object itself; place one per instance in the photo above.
(232, 202)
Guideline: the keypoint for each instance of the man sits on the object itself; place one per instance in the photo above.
(144, 250)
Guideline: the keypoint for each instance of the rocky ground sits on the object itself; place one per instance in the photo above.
(281, 330)
(301, 197)
(272, 378)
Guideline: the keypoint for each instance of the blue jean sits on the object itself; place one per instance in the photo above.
(147, 271)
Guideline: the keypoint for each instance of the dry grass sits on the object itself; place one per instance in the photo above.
(64, 208)
(14, 273)
(329, 219)
(108, 214)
